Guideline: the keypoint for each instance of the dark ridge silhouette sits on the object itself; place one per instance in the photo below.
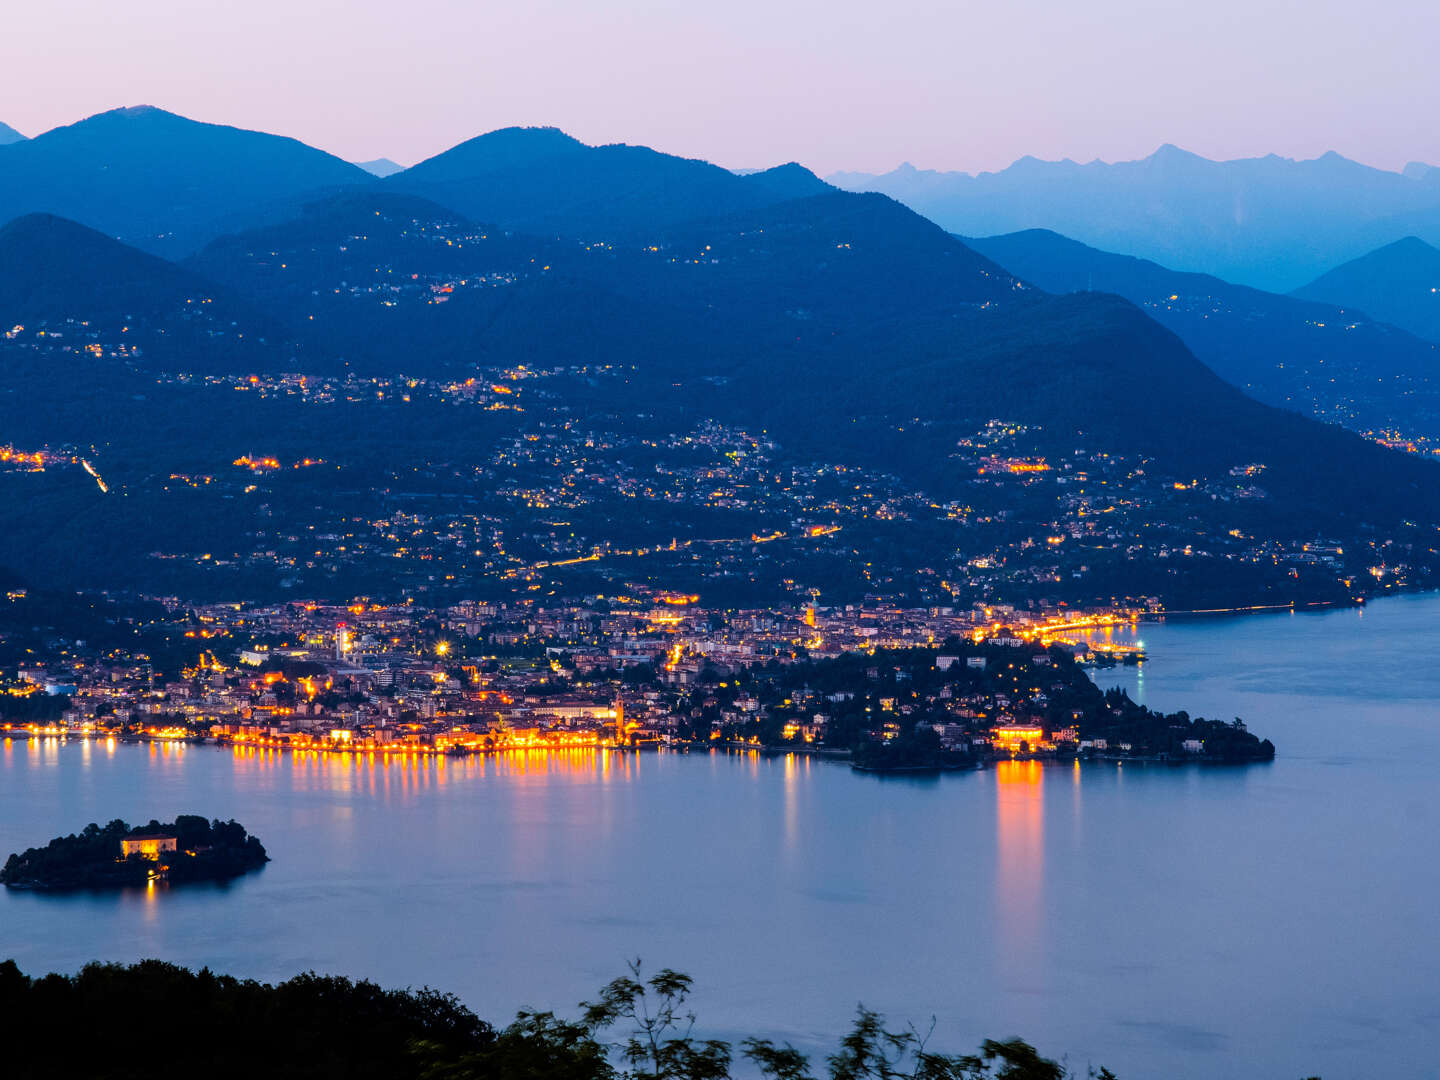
(54, 269)
(63, 282)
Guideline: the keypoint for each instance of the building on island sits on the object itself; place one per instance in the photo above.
(150, 845)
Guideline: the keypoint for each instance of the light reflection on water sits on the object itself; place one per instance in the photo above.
(1180, 922)
(1020, 868)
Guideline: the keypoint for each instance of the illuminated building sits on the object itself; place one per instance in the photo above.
(1017, 737)
(150, 845)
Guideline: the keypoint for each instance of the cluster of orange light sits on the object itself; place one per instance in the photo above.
(269, 464)
(1018, 466)
(1049, 630)
(343, 740)
(34, 459)
(1011, 736)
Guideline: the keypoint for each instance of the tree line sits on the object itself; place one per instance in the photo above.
(155, 1016)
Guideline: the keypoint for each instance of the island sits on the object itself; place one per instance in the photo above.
(188, 849)
(961, 705)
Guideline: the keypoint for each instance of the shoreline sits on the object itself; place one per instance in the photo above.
(838, 757)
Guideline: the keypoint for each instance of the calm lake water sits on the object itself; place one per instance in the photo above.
(1275, 921)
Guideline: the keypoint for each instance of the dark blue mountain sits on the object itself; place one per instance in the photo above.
(159, 181)
(1399, 283)
(1315, 358)
(65, 285)
(540, 180)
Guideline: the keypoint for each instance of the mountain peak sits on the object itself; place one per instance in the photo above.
(9, 135)
(503, 148)
(132, 114)
(1410, 245)
(1170, 154)
(381, 167)
(1396, 283)
(791, 180)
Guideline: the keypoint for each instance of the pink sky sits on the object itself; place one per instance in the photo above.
(834, 84)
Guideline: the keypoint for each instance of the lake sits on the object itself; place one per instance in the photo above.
(1273, 921)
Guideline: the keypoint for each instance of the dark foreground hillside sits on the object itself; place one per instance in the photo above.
(155, 1018)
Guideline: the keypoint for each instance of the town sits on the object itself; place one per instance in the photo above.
(891, 687)
(509, 491)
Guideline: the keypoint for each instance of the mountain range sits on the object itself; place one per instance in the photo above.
(846, 326)
(1399, 284)
(1273, 223)
(9, 135)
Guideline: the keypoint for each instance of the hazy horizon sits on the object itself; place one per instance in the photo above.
(946, 87)
(740, 168)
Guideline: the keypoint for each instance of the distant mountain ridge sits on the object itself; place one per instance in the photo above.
(1399, 283)
(9, 135)
(381, 167)
(1315, 358)
(1270, 222)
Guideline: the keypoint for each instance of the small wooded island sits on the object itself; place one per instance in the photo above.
(188, 849)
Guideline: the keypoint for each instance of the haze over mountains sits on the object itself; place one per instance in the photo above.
(1272, 223)
(847, 326)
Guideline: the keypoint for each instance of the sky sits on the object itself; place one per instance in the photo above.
(833, 84)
